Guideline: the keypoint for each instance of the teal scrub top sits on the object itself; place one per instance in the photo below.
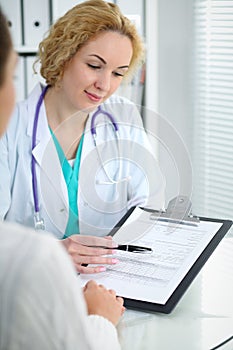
(71, 176)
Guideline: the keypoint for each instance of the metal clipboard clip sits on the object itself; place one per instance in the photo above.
(178, 212)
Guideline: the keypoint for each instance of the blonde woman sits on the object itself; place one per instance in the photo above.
(75, 157)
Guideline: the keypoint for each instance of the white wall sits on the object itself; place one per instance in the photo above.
(168, 26)
(61, 7)
(175, 18)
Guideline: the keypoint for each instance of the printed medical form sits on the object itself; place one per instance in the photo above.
(153, 277)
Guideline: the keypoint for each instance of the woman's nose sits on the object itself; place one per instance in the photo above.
(103, 82)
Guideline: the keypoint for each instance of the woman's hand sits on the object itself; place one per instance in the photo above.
(103, 302)
(90, 250)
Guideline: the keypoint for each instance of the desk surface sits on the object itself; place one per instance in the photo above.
(202, 319)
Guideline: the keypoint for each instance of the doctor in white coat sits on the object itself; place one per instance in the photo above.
(75, 157)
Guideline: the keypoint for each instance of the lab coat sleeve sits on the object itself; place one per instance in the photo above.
(9, 154)
(42, 305)
(5, 194)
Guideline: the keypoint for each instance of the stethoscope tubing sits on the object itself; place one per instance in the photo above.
(93, 132)
(33, 165)
(100, 111)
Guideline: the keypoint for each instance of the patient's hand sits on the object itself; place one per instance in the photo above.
(103, 302)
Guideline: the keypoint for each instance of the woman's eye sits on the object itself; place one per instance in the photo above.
(93, 66)
(117, 74)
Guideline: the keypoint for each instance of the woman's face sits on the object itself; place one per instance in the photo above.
(7, 92)
(96, 70)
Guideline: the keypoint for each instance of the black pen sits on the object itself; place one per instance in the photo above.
(134, 248)
(128, 248)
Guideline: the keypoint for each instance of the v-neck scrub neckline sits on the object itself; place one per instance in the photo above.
(71, 176)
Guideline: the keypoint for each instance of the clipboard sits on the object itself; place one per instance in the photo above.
(178, 218)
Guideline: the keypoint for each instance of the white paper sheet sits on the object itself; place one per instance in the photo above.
(154, 277)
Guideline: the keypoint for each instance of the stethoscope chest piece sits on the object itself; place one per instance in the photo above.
(38, 222)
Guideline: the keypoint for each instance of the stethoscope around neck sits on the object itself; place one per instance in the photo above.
(38, 220)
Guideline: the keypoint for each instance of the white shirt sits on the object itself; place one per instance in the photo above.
(41, 303)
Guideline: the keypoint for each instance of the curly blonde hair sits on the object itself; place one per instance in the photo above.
(76, 27)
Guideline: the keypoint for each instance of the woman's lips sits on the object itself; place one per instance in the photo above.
(93, 97)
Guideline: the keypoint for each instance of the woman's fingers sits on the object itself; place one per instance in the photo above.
(89, 255)
(94, 241)
(86, 268)
(89, 270)
(73, 246)
(91, 251)
(86, 259)
(111, 291)
(120, 300)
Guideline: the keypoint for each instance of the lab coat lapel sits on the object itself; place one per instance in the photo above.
(44, 152)
(43, 134)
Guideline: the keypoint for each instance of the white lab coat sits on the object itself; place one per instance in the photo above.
(100, 206)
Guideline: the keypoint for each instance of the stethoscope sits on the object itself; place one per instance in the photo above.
(38, 220)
